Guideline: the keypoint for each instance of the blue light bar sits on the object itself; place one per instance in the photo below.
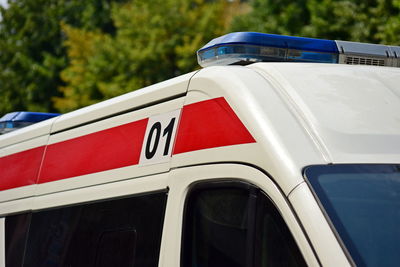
(20, 119)
(249, 47)
(243, 48)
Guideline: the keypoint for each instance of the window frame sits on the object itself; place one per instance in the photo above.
(257, 200)
(180, 181)
(98, 205)
(222, 184)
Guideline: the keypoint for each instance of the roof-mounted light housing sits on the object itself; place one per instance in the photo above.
(242, 48)
(16, 120)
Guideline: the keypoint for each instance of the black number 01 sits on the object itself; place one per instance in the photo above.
(156, 130)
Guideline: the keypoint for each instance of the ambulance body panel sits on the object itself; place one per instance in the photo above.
(325, 243)
(265, 114)
(256, 126)
(275, 102)
(181, 179)
(353, 112)
(35, 130)
(65, 172)
(128, 102)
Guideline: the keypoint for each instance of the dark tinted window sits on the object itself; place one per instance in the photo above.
(116, 248)
(16, 234)
(363, 203)
(217, 228)
(235, 225)
(275, 245)
(122, 232)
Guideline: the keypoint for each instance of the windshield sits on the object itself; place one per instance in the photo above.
(363, 203)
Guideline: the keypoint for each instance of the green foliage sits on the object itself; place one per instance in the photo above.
(376, 21)
(154, 40)
(59, 55)
(273, 16)
(31, 47)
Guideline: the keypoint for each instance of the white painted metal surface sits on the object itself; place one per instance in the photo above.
(42, 128)
(299, 115)
(131, 101)
(179, 183)
(283, 146)
(325, 243)
(352, 112)
(114, 174)
(159, 138)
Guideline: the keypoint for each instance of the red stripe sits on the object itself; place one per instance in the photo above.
(21, 168)
(208, 124)
(100, 151)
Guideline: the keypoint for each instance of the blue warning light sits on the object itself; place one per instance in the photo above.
(247, 47)
(15, 120)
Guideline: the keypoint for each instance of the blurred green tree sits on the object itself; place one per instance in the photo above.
(65, 54)
(32, 53)
(375, 21)
(155, 40)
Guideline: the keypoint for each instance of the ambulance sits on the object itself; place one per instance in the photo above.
(280, 151)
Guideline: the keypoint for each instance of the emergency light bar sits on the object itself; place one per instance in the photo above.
(241, 48)
(16, 120)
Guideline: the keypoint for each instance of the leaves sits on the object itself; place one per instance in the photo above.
(60, 55)
(32, 53)
(375, 21)
(154, 41)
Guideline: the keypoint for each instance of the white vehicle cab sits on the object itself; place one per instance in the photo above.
(292, 160)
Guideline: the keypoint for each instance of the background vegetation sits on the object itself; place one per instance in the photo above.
(60, 55)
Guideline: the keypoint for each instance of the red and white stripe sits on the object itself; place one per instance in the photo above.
(203, 125)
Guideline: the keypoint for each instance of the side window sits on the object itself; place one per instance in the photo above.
(235, 224)
(16, 235)
(121, 232)
(275, 245)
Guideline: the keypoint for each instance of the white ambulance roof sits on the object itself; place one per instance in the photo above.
(130, 101)
(27, 133)
(353, 111)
